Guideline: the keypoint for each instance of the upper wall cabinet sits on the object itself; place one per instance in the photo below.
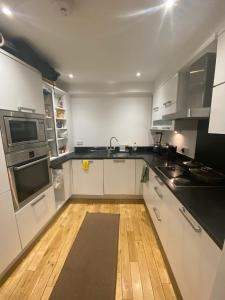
(168, 99)
(217, 120)
(21, 85)
(217, 123)
(220, 61)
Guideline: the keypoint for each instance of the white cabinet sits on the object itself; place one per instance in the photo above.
(159, 203)
(169, 101)
(67, 174)
(139, 164)
(32, 217)
(220, 61)
(4, 182)
(87, 182)
(119, 177)
(209, 264)
(21, 85)
(9, 237)
(217, 120)
(175, 243)
(192, 255)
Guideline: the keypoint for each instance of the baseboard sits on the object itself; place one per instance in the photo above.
(109, 197)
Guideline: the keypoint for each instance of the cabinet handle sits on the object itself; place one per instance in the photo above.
(195, 227)
(167, 103)
(38, 200)
(119, 160)
(24, 109)
(156, 108)
(158, 193)
(159, 180)
(157, 214)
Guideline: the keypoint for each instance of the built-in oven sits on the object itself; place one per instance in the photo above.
(20, 130)
(29, 175)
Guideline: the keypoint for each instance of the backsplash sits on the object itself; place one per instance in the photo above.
(183, 139)
(210, 148)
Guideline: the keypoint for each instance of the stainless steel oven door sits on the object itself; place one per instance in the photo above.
(28, 180)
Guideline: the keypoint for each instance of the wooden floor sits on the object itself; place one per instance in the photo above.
(142, 273)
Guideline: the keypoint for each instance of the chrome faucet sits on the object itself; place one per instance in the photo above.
(110, 149)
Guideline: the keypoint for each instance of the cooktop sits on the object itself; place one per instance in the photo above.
(180, 177)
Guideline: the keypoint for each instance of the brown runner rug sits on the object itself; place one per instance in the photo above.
(90, 270)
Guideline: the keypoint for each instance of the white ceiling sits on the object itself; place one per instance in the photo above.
(110, 40)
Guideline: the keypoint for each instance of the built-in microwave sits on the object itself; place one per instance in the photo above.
(20, 130)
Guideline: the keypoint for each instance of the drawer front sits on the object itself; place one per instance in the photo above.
(32, 217)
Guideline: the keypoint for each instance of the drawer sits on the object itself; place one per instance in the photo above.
(32, 217)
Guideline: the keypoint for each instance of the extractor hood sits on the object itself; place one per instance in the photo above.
(190, 113)
(197, 100)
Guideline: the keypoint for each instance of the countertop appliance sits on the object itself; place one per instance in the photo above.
(29, 174)
(199, 90)
(22, 130)
(180, 176)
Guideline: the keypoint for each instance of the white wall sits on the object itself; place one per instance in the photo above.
(96, 119)
(183, 139)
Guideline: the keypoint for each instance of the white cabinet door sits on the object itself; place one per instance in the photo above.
(4, 182)
(21, 86)
(160, 205)
(175, 242)
(220, 61)
(191, 255)
(139, 168)
(67, 173)
(209, 266)
(119, 177)
(9, 237)
(170, 96)
(88, 182)
(32, 217)
(217, 120)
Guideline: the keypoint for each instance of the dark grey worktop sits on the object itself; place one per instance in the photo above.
(206, 204)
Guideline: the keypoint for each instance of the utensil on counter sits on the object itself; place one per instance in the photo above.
(207, 175)
(192, 164)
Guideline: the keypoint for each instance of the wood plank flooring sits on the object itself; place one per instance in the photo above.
(141, 274)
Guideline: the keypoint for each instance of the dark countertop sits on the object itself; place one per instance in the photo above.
(205, 204)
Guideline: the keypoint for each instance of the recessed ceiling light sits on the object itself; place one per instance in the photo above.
(138, 74)
(6, 11)
(71, 76)
(169, 3)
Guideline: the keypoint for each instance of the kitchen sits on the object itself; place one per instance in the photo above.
(111, 149)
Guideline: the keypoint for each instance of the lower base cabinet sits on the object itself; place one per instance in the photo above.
(193, 256)
(119, 177)
(9, 236)
(32, 217)
(87, 182)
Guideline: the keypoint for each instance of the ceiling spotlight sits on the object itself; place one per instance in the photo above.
(71, 76)
(6, 11)
(138, 74)
(169, 3)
